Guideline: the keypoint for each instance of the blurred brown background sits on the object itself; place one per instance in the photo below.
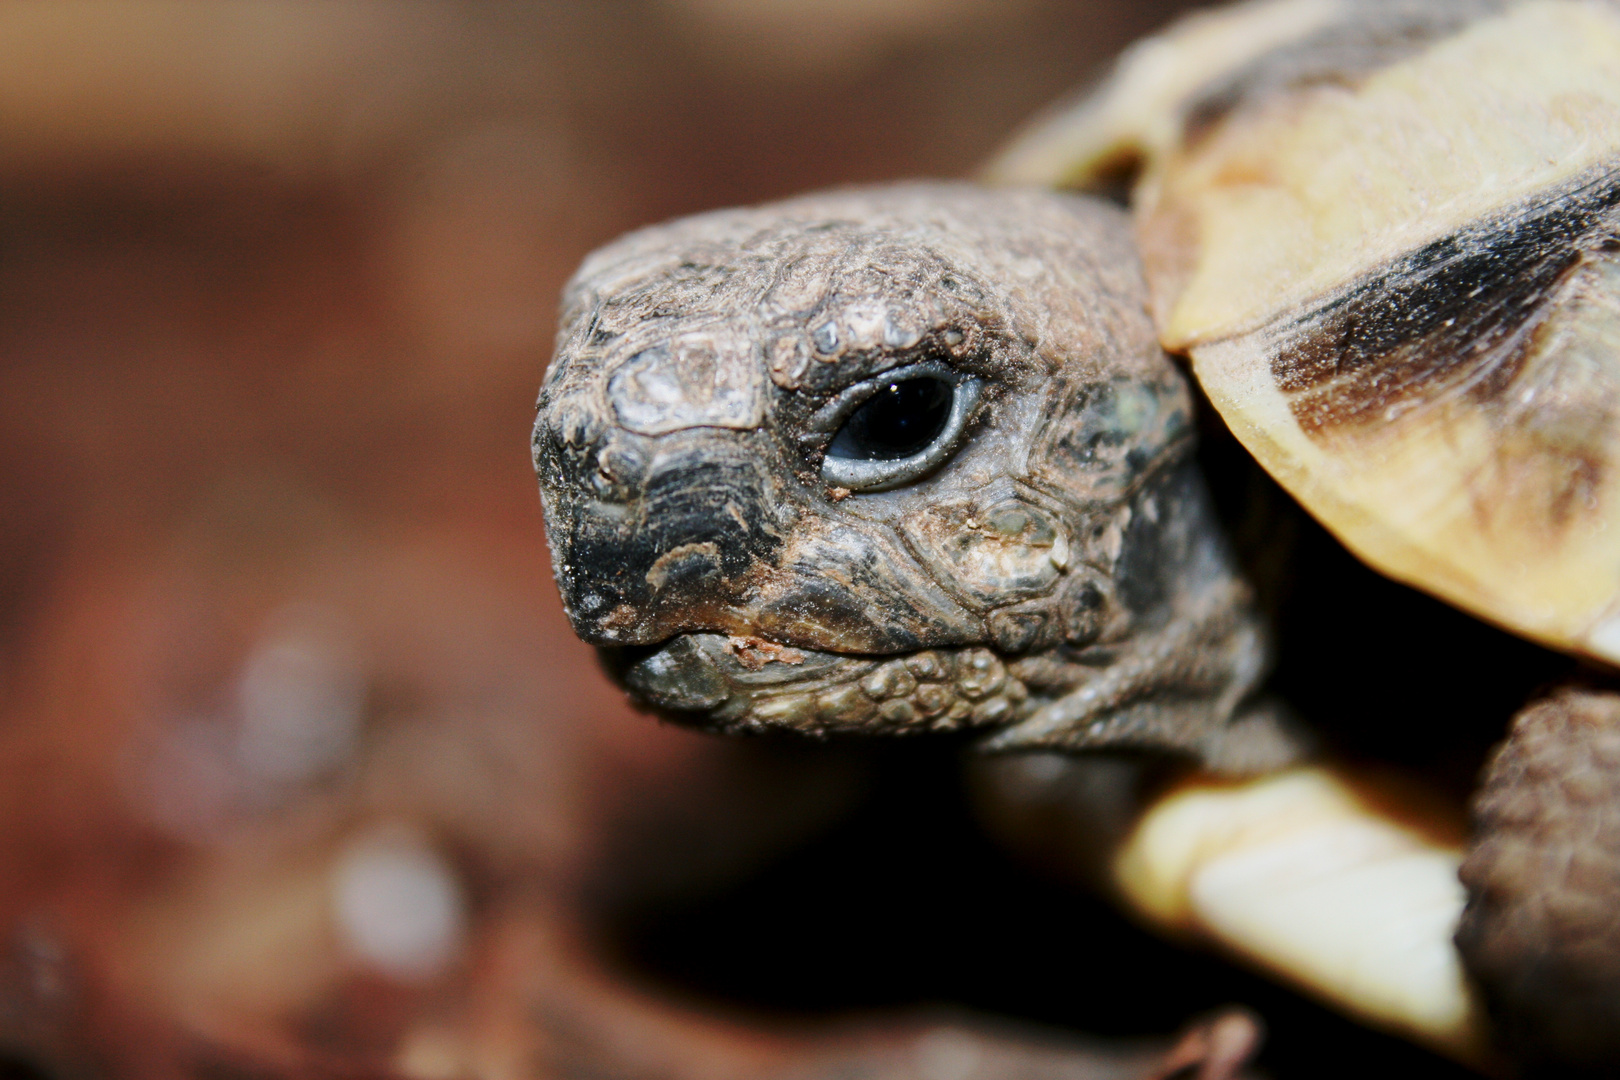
(303, 772)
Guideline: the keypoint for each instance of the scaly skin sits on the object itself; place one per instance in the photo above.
(1540, 931)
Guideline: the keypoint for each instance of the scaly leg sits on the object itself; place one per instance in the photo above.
(1541, 933)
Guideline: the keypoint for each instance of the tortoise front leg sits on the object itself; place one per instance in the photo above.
(1341, 887)
(1310, 875)
(1541, 932)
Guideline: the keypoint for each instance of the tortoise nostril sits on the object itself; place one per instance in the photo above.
(620, 470)
(572, 424)
(575, 450)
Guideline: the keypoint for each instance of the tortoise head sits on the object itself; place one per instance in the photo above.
(895, 459)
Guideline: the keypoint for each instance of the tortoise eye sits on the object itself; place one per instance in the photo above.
(898, 421)
(899, 431)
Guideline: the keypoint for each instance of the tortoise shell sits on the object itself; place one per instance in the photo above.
(1386, 236)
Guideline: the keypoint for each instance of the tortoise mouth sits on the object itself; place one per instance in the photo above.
(732, 683)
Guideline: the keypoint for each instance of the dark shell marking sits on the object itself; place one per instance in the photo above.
(1510, 320)
(1459, 315)
(1371, 35)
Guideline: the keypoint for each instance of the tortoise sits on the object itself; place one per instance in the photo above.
(921, 458)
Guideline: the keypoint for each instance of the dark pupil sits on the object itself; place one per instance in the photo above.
(900, 420)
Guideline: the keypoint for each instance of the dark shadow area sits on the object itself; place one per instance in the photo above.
(1380, 671)
(906, 902)
(16, 1068)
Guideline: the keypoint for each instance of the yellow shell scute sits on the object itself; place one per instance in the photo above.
(1136, 113)
(1517, 524)
(1308, 190)
(1283, 208)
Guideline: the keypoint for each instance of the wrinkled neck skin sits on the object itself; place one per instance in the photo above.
(1047, 570)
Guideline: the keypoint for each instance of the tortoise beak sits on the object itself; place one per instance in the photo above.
(704, 673)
